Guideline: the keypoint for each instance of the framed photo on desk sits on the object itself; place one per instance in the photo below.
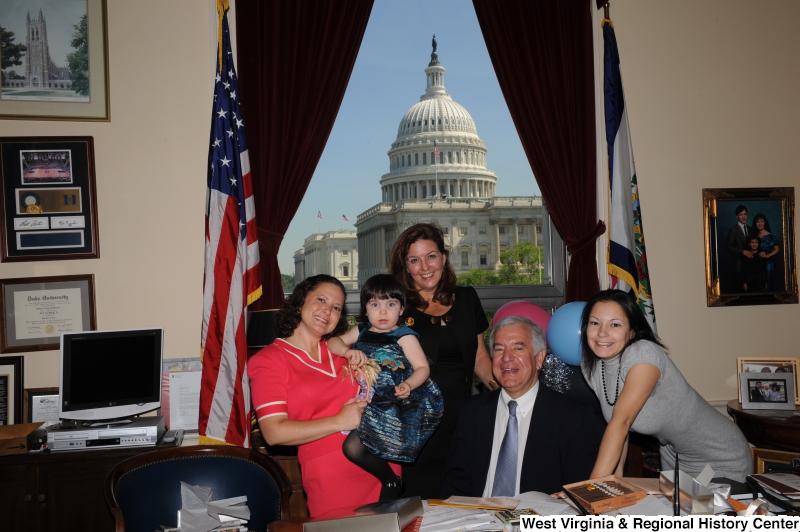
(767, 391)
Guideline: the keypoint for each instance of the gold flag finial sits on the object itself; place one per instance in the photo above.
(222, 7)
(606, 16)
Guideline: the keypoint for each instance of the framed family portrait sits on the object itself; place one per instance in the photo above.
(767, 391)
(750, 246)
(49, 199)
(36, 310)
(11, 382)
(55, 60)
(780, 365)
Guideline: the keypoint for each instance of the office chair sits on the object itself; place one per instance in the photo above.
(143, 492)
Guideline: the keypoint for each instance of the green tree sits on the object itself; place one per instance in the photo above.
(10, 54)
(521, 264)
(477, 277)
(288, 282)
(78, 61)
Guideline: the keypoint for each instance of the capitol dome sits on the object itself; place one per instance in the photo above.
(459, 171)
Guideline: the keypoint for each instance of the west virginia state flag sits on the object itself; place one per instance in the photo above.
(627, 260)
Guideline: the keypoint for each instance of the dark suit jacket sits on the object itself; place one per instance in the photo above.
(737, 243)
(563, 441)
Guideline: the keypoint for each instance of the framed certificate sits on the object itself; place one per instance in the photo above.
(49, 206)
(36, 310)
(11, 379)
(41, 404)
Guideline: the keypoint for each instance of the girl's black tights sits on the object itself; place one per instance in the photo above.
(391, 485)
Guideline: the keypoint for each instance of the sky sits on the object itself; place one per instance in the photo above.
(388, 78)
(59, 15)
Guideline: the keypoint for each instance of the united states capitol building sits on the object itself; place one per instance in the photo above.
(437, 173)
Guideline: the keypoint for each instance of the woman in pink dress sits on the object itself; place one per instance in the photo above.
(303, 397)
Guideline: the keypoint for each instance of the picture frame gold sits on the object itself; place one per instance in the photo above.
(18, 96)
(762, 458)
(734, 275)
(775, 365)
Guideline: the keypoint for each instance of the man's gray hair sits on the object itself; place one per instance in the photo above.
(537, 336)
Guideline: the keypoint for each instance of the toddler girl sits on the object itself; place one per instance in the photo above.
(407, 406)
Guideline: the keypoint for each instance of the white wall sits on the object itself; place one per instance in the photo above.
(712, 94)
(151, 178)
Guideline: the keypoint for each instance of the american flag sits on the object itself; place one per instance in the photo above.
(232, 277)
(345, 218)
(319, 215)
(435, 150)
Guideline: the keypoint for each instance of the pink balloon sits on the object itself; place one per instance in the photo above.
(533, 312)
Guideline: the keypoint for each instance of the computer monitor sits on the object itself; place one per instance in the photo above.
(108, 375)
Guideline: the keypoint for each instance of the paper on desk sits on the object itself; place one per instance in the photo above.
(199, 513)
(544, 504)
(451, 518)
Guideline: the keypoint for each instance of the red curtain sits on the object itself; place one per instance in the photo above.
(542, 55)
(294, 62)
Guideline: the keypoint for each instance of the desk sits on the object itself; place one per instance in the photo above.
(769, 429)
(58, 490)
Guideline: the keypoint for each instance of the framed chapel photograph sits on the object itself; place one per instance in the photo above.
(40, 405)
(36, 310)
(771, 365)
(49, 199)
(56, 60)
(767, 391)
(750, 246)
(11, 382)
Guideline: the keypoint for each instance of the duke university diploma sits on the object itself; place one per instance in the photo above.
(46, 313)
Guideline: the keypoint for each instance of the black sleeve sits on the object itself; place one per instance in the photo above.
(457, 477)
(582, 445)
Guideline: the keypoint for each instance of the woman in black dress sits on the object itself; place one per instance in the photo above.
(450, 322)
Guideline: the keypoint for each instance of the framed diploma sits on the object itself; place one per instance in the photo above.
(11, 380)
(36, 310)
(41, 404)
(49, 201)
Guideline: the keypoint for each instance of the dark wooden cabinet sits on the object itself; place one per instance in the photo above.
(58, 491)
(768, 429)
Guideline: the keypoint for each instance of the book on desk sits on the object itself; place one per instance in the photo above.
(389, 516)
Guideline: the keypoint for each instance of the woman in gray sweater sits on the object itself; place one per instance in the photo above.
(640, 389)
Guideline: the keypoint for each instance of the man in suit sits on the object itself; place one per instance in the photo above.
(738, 246)
(523, 436)
(757, 393)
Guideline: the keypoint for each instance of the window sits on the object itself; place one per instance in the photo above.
(346, 271)
(502, 229)
(483, 258)
(433, 157)
(520, 229)
(462, 230)
(425, 158)
(445, 230)
(345, 252)
(450, 157)
(464, 257)
(482, 230)
(416, 158)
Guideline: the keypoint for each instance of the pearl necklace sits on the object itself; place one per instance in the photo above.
(605, 394)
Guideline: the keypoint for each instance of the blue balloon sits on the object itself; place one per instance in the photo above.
(564, 333)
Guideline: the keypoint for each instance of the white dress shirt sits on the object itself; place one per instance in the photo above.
(524, 410)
